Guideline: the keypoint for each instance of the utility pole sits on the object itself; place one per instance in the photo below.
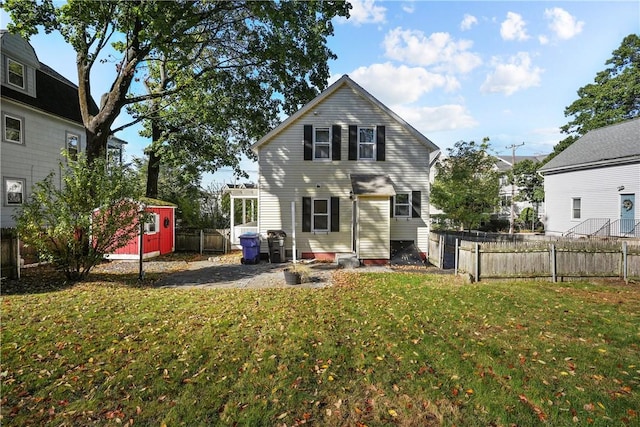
(513, 148)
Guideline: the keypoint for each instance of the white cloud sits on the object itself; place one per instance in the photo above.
(436, 119)
(563, 25)
(366, 12)
(439, 50)
(468, 21)
(513, 28)
(516, 74)
(408, 7)
(543, 39)
(401, 85)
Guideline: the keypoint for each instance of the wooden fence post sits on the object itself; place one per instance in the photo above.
(201, 241)
(624, 261)
(455, 262)
(441, 253)
(554, 267)
(477, 266)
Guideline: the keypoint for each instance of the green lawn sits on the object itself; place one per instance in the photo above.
(376, 349)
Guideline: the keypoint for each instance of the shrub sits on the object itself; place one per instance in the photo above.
(93, 213)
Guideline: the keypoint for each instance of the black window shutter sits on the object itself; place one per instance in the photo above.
(415, 203)
(335, 214)
(391, 205)
(353, 142)
(308, 142)
(380, 143)
(336, 142)
(306, 214)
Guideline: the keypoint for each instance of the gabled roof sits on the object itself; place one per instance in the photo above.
(504, 162)
(613, 144)
(345, 80)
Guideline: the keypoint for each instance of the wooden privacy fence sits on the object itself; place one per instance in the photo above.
(207, 240)
(9, 254)
(543, 258)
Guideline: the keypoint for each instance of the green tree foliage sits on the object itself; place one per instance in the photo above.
(614, 96)
(74, 228)
(529, 182)
(229, 55)
(467, 184)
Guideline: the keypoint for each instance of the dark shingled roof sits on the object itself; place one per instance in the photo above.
(54, 94)
(612, 144)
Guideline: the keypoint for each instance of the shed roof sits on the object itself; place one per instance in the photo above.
(372, 185)
(344, 80)
(613, 144)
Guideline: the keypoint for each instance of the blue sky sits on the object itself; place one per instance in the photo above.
(455, 70)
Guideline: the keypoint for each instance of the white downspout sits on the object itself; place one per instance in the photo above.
(293, 228)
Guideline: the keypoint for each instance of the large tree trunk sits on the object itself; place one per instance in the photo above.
(153, 168)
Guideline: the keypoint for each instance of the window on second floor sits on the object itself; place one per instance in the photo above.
(15, 72)
(321, 143)
(12, 131)
(366, 143)
(73, 146)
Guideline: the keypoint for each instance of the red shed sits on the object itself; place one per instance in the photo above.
(159, 233)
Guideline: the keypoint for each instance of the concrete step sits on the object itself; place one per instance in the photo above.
(347, 260)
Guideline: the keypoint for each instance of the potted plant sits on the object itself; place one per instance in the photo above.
(297, 273)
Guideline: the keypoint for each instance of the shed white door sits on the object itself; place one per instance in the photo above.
(373, 239)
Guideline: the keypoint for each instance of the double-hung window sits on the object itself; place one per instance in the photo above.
(12, 129)
(73, 146)
(320, 214)
(322, 143)
(576, 207)
(14, 191)
(366, 143)
(402, 205)
(15, 72)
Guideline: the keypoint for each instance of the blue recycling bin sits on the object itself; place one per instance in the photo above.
(250, 243)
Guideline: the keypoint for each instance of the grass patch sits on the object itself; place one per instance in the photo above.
(376, 349)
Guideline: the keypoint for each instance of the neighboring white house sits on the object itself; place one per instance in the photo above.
(349, 173)
(504, 164)
(40, 116)
(591, 188)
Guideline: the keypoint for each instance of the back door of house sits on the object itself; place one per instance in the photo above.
(627, 212)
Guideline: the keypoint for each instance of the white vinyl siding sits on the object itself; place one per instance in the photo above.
(38, 156)
(373, 236)
(597, 190)
(285, 177)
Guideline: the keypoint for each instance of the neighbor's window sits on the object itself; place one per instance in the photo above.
(14, 191)
(366, 143)
(402, 205)
(321, 143)
(12, 129)
(152, 224)
(320, 214)
(576, 206)
(15, 70)
(73, 146)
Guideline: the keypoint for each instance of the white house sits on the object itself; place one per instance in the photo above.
(345, 175)
(40, 116)
(591, 188)
(504, 164)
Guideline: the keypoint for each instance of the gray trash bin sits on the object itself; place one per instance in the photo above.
(275, 240)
